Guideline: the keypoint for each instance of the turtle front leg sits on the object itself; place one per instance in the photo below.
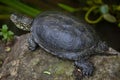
(32, 45)
(86, 67)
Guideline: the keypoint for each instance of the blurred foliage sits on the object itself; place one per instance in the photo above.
(110, 13)
(67, 8)
(16, 6)
(6, 34)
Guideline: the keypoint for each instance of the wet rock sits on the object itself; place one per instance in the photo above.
(23, 64)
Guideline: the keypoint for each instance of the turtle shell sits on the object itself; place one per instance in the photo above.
(57, 32)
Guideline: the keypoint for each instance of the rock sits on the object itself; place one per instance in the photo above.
(23, 64)
(2, 52)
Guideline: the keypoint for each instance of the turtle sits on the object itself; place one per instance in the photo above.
(64, 36)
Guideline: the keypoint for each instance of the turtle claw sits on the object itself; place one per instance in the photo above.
(31, 48)
(88, 71)
(86, 67)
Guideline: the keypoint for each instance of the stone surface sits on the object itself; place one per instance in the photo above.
(23, 64)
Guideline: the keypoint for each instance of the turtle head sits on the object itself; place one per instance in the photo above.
(21, 21)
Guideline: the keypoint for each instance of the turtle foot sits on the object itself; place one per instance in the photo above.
(32, 45)
(86, 67)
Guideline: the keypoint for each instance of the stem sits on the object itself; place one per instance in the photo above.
(88, 13)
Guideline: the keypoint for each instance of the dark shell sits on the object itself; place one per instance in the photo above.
(57, 32)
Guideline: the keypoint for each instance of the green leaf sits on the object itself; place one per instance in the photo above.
(89, 2)
(118, 7)
(4, 28)
(118, 24)
(104, 9)
(5, 36)
(110, 18)
(10, 33)
(19, 6)
(98, 1)
(1, 34)
(66, 7)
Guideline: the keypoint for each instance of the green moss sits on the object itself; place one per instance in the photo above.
(63, 68)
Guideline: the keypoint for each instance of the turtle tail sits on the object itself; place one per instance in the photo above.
(103, 49)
